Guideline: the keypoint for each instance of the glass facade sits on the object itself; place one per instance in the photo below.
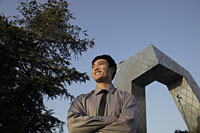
(150, 65)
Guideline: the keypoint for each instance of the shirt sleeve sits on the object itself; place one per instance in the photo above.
(79, 122)
(127, 122)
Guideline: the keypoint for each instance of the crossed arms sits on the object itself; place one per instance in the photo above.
(79, 121)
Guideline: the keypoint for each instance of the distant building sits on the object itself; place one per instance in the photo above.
(150, 65)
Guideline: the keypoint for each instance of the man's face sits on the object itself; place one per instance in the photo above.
(101, 71)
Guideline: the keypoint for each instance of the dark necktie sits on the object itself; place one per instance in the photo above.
(102, 103)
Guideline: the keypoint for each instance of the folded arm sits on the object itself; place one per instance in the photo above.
(79, 121)
(127, 122)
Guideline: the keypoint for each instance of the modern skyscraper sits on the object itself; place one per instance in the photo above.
(150, 65)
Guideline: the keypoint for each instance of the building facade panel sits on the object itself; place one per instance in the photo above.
(150, 65)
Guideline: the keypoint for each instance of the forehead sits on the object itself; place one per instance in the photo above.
(100, 60)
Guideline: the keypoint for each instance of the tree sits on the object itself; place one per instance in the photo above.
(193, 131)
(36, 50)
(179, 131)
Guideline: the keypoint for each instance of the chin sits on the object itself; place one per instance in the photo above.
(99, 80)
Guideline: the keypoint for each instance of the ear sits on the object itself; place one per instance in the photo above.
(112, 70)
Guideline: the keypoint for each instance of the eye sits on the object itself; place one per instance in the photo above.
(101, 63)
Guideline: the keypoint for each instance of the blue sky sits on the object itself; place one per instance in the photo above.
(122, 28)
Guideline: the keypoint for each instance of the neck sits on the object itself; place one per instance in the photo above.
(104, 85)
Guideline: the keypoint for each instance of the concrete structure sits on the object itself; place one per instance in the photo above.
(150, 65)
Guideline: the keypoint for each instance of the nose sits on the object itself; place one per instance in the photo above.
(96, 67)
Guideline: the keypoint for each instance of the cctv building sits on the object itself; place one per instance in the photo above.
(150, 65)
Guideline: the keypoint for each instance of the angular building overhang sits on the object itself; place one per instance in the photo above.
(150, 65)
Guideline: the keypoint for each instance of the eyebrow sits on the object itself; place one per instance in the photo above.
(99, 62)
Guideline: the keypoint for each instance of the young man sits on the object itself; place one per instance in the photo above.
(105, 109)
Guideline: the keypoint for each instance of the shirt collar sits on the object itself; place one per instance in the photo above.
(110, 89)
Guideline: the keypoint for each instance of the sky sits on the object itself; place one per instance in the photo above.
(121, 28)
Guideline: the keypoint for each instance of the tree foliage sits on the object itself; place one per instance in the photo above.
(180, 131)
(36, 50)
(197, 130)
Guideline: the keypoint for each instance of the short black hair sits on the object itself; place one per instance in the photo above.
(110, 61)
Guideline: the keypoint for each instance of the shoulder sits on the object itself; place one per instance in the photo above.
(127, 99)
(124, 95)
(84, 96)
(79, 102)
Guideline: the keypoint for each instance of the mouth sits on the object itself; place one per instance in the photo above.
(97, 72)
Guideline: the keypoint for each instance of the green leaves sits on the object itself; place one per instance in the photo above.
(35, 52)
